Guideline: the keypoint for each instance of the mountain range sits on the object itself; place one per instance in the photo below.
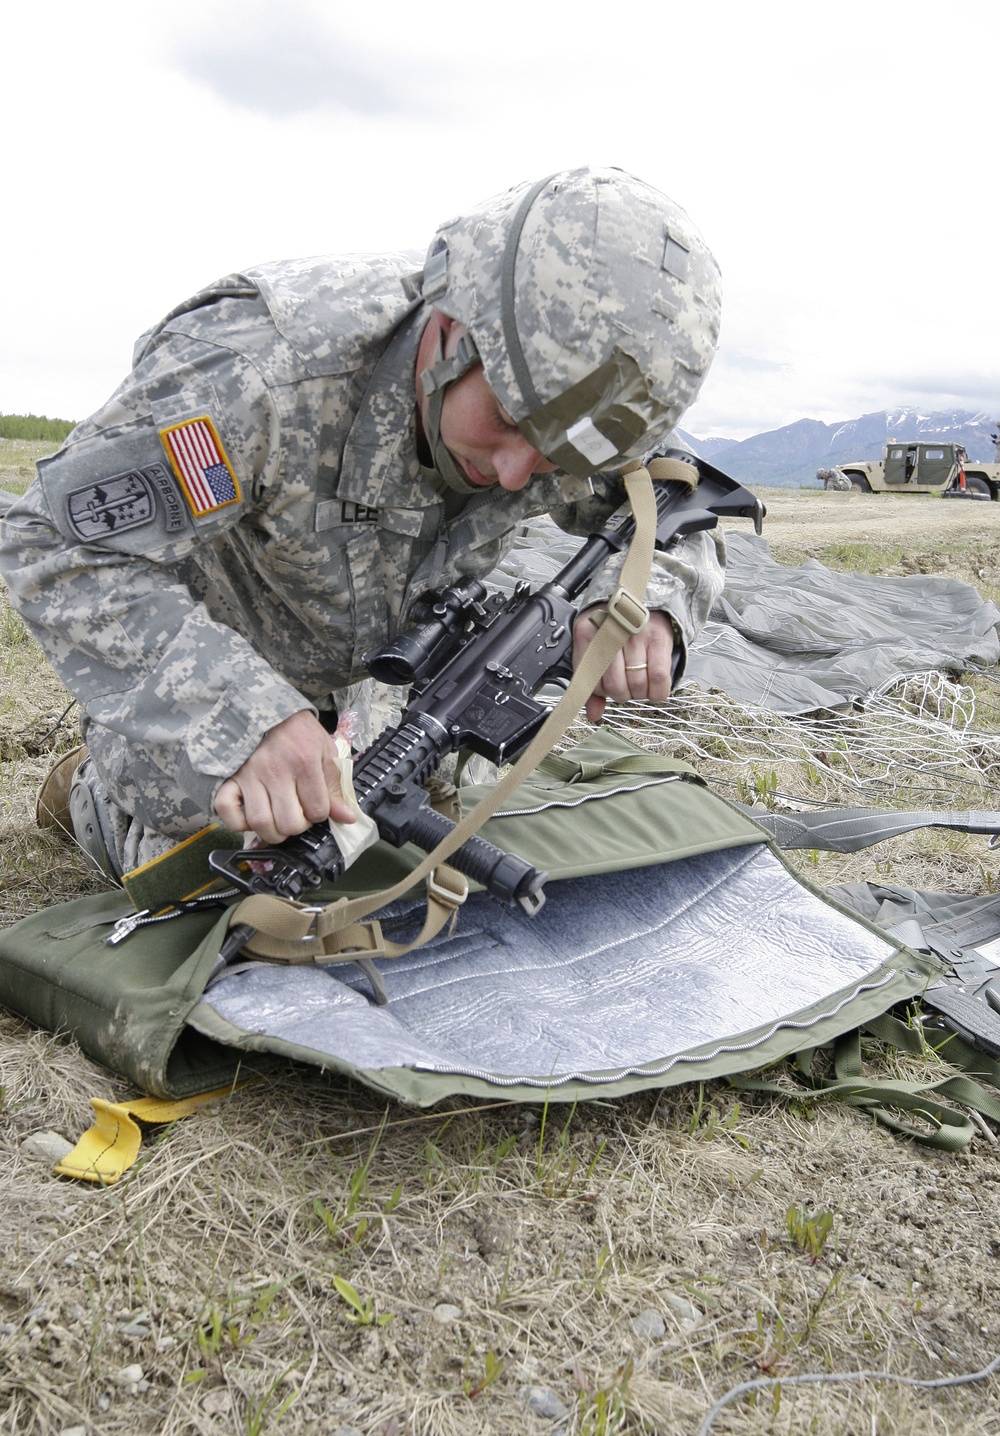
(789, 457)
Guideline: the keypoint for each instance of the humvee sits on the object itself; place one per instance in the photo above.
(926, 467)
(988, 474)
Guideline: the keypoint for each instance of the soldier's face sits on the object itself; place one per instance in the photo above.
(481, 436)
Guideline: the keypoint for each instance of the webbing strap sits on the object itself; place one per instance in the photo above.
(107, 1151)
(296, 933)
(847, 1065)
(623, 611)
(675, 471)
(847, 830)
(975, 1064)
(883, 1098)
(952, 1133)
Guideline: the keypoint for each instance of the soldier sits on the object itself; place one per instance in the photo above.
(304, 448)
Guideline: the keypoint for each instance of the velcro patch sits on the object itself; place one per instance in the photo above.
(121, 502)
(201, 464)
(334, 513)
(351, 513)
(676, 258)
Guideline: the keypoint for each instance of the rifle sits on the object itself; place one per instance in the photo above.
(473, 662)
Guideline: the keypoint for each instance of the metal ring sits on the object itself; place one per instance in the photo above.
(634, 667)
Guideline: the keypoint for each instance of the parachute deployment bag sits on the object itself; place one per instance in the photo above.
(675, 945)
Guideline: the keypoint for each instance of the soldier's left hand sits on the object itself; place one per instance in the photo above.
(641, 670)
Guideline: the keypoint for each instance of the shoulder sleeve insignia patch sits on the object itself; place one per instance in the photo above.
(112, 506)
(201, 464)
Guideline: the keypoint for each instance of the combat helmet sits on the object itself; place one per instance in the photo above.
(593, 304)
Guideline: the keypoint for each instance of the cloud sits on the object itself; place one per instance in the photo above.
(293, 65)
(737, 362)
(971, 388)
(315, 127)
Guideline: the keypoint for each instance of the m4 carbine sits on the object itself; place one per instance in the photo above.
(473, 662)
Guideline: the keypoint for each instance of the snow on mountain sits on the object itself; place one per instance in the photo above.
(708, 449)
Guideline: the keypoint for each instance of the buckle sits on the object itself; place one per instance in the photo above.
(627, 611)
(446, 896)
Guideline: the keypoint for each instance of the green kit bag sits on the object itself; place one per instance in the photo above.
(675, 945)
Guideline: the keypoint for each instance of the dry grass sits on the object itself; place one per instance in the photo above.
(212, 1266)
(492, 1248)
(18, 458)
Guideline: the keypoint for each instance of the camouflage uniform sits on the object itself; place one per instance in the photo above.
(217, 547)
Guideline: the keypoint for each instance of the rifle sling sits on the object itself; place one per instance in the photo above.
(295, 932)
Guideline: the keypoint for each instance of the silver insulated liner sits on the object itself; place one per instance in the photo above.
(623, 971)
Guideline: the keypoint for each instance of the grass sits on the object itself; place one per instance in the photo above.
(860, 557)
(18, 458)
(247, 1307)
(971, 560)
(302, 1257)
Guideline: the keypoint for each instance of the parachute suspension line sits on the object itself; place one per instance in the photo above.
(913, 742)
(837, 1378)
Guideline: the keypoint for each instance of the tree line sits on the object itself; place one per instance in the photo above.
(34, 426)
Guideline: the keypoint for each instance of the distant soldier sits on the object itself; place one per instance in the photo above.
(303, 449)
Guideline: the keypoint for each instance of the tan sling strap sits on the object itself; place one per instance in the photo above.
(674, 471)
(296, 932)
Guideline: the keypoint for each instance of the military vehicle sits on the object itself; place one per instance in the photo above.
(932, 466)
(988, 474)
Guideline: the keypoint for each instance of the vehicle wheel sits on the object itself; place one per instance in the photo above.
(976, 484)
(858, 481)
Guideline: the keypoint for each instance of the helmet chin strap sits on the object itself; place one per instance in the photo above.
(437, 380)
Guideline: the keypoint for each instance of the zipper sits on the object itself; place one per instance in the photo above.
(589, 797)
(126, 926)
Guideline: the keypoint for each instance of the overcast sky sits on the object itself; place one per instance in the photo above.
(841, 160)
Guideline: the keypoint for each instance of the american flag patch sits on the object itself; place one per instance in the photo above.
(200, 463)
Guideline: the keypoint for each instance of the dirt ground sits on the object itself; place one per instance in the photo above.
(301, 1257)
(816, 517)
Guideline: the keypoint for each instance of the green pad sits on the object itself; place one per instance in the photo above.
(183, 872)
(603, 807)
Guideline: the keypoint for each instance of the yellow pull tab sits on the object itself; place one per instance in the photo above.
(107, 1151)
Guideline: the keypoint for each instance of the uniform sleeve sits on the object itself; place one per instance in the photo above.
(684, 582)
(101, 559)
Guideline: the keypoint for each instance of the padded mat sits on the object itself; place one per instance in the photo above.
(622, 971)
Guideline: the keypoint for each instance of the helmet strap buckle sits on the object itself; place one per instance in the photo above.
(437, 379)
(445, 372)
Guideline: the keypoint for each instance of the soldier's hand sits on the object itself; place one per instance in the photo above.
(290, 781)
(640, 670)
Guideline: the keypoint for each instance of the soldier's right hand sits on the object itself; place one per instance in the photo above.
(290, 781)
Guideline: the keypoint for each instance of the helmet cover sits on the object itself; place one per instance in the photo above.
(594, 305)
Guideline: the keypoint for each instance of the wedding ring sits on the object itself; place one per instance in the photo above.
(634, 667)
